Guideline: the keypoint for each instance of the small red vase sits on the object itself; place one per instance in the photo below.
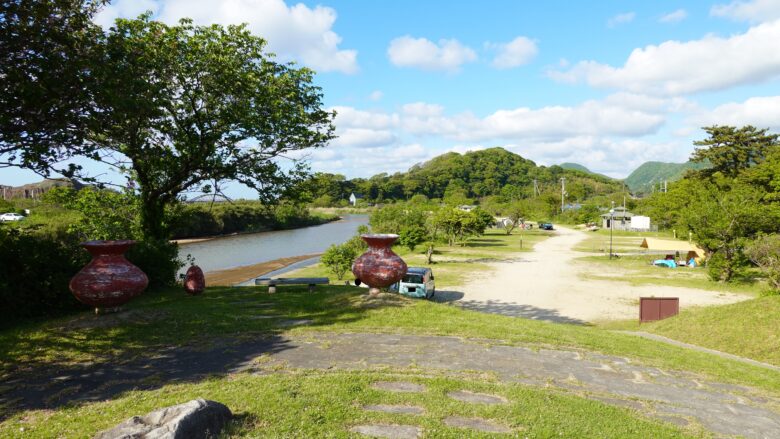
(109, 280)
(379, 267)
(194, 281)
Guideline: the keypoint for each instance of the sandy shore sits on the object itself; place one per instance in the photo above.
(237, 275)
(548, 285)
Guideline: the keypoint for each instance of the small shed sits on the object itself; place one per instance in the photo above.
(672, 245)
(620, 219)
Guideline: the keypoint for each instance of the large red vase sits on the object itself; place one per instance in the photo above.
(194, 281)
(109, 280)
(379, 267)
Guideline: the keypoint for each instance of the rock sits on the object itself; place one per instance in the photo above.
(399, 409)
(476, 398)
(196, 419)
(478, 424)
(388, 431)
(398, 386)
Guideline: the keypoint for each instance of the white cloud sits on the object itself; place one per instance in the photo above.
(349, 117)
(674, 17)
(607, 117)
(376, 95)
(293, 32)
(754, 10)
(761, 112)
(424, 54)
(675, 68)
(623, 18)
(515, 53)
(363, 138)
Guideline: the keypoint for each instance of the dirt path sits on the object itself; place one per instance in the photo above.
(548, 285)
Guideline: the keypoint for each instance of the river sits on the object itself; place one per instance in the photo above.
(254, 248)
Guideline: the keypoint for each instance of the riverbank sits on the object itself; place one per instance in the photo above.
(237, 275)
(317, 220)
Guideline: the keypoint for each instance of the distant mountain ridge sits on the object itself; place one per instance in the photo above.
(579, 167)
(649, 174)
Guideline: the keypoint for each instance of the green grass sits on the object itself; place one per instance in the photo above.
(174, 319)
(748, 329)
(637, 270)
(308, 404)
(452, 266)
(622, 241)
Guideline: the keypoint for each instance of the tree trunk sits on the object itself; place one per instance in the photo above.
(153, 225)
(728, 266)
(429, 254)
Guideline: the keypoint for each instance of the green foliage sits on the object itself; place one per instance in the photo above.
(338, 259)
(34, 274)
(412, 236)
(643, 178)
(105, 214)
(158, 259)
(731, 150)
(393, 218)
(462, 178)
(187, 105)
(765, 253)
(47, 49)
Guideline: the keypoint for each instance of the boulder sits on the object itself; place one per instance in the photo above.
(196, 419)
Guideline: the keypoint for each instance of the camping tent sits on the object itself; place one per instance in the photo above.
(691, 250)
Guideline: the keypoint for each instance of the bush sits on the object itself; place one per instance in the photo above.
(34, 275)
(338, 259)
(158, 260)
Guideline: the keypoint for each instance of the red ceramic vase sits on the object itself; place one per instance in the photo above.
(194, 281)
(109, 280)
(379, 267)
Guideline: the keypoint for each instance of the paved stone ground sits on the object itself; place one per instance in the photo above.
(678, 397)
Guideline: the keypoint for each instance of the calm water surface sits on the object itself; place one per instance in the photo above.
(240, 250)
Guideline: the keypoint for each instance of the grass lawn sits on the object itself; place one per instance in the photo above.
(622, 241)
(637, 270)
(454, 265)
(309, 404)
(748, 329)
(294, 403)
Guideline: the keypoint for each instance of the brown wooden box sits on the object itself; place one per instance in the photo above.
(658, 308)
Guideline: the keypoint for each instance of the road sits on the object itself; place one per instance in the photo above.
(547, 284)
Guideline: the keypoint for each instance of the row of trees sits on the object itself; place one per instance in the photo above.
(732, 208)
(461, 178)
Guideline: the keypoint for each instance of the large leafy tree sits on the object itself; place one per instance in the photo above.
(731, 150)
(182, 106)
(47, 54)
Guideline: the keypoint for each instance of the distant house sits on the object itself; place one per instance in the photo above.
(620, 219)
(353, 198)
(572, 206)
(467, 207)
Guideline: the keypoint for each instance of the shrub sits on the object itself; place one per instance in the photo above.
(765, 252)
(158, 260)
(338, 259)
(34, 275)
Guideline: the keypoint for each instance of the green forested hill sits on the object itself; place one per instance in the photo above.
(649, 173)
(579, 167)
(576, 167)
(474, 175)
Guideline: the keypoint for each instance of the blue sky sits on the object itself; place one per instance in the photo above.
(608, 84)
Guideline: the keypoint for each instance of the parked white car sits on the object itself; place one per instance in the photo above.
(11, 217)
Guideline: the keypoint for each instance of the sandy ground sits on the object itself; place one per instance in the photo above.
(547, 285)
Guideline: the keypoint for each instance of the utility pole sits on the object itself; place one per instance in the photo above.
(666, 187)
(536, 188)
(563, 191)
